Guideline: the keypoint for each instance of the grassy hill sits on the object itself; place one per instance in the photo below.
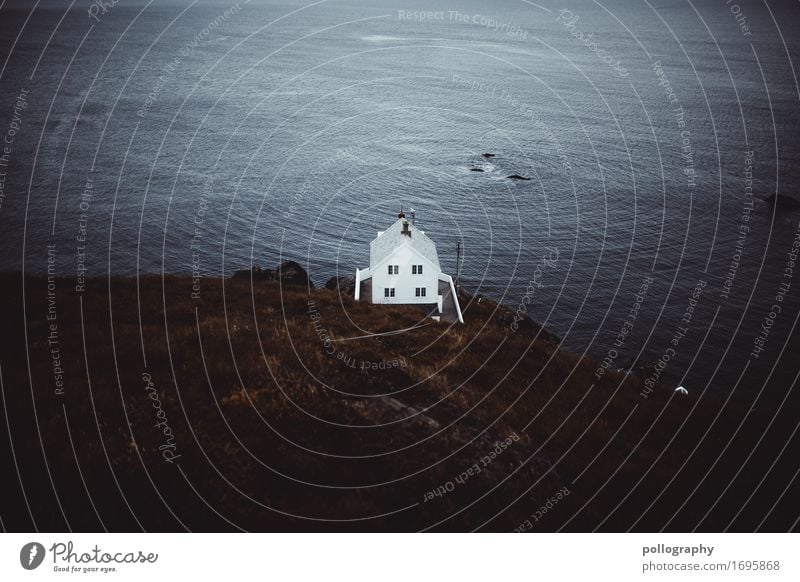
(208, 404)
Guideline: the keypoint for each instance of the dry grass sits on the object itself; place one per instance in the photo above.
(263, 415)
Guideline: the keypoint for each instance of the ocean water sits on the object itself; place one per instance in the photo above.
(180, 137)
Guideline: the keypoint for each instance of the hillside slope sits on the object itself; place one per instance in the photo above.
(207, 404)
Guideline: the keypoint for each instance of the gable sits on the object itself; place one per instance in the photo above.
(388, 242)
(412, 256)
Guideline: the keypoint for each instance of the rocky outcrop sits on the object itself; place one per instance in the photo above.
(288, 272)
(345, 285)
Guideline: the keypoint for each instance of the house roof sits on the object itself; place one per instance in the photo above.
(392, 238)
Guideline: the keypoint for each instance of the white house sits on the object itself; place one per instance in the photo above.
(404, 270)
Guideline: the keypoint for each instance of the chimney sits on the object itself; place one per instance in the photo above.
(405, 229)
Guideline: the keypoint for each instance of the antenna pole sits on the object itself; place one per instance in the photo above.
(458, 266)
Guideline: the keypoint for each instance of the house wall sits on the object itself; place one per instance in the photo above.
(404, 282)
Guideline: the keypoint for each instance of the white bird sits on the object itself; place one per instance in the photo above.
(681, 390)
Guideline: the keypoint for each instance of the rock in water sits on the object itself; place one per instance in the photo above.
(783, 202)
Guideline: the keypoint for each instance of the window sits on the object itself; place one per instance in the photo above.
(421, 291)
(394, 269)
(416, 269)
(388, 291)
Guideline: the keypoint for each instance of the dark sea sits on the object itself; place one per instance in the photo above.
(207, 137)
